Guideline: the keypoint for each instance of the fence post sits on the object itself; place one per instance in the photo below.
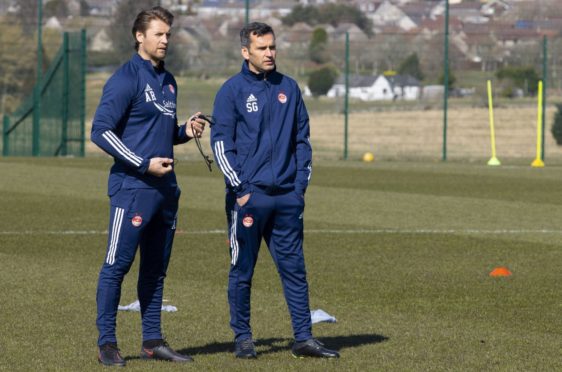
(83, 57)
(445, 81)
(545, 80)
(36, 135)
(5, 139)
(65, 93)
(35, 150)
(346, 102)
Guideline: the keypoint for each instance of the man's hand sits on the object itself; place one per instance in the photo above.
(195, 126)
(243, 199)
(160, 166)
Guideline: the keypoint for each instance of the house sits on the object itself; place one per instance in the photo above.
(101, 42)
(374, 88)
(102, 8)
(495, 8)
(230, 8)
(405, 87)
(417, 12)
(355, 33)
(388, 14)
(270, 8)
(53, 23)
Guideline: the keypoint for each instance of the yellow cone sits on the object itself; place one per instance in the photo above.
(494, 161)
(537, 163)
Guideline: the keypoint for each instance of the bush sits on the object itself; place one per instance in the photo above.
(318, 47)
(525, 78)
(411, 66)
(321, 80)
(556, 129)
(452, 79)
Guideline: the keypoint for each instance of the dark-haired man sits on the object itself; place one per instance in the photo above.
(136, 123)
(261, 143)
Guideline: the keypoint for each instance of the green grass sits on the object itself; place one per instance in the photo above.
(398, 252)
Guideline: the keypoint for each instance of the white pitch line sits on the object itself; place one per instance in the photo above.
(434, 231)
(313, 231)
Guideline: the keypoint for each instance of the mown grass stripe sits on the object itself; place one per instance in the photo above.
(314, 231)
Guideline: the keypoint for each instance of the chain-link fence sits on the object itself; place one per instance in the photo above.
(396, 100)
(51, 121)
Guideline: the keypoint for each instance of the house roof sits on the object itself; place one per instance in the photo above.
(363, 81)
(226, 4)
(358, 81)
(403, 81)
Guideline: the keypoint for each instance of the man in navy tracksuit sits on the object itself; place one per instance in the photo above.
(136, 123)
(260, 138)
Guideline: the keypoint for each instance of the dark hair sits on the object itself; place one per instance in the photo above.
(146, 16)
(254, 28)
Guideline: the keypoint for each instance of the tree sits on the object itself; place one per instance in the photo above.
(302, 14)
(556, 129)
(333, 14)
(321, 80)
(411, 66)
(17, 70)
(84, 8)
(318, 48)
(123, 22)
(525, 78)
(452, 79)
(27, 15)
(56, 8)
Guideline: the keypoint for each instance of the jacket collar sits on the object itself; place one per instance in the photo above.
(141, 62)
(252, 75)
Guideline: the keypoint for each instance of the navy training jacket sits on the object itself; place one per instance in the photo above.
(260, 135)
(136, 121)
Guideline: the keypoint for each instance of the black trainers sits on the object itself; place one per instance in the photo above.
(109, 356)
(245, 349)
(164, 352)
(313, 348)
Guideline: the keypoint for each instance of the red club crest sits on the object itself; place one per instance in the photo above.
(136, 221)
(248, 221)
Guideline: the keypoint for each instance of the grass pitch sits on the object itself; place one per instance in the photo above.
(398, 252)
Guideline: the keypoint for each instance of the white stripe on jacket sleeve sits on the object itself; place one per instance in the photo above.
(120, 147)
(225, 165)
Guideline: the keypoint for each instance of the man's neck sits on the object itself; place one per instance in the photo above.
(154, 63)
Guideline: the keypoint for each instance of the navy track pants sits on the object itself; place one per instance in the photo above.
(144, 218)
(278, 219)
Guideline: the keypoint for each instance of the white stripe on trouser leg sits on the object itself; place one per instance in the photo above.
(175, 221)
(233, 239)
(115, 232)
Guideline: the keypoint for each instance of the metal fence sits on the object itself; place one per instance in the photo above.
(51, 122)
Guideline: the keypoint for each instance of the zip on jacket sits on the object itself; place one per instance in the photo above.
(260, 136)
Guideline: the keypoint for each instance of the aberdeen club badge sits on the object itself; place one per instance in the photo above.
(136, 221)
(248, 221)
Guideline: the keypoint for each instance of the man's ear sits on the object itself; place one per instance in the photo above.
(245, 53)
(140, 37)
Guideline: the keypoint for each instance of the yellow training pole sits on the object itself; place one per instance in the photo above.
(538, 163)
(494, 160)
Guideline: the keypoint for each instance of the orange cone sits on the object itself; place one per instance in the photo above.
(500, 271)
